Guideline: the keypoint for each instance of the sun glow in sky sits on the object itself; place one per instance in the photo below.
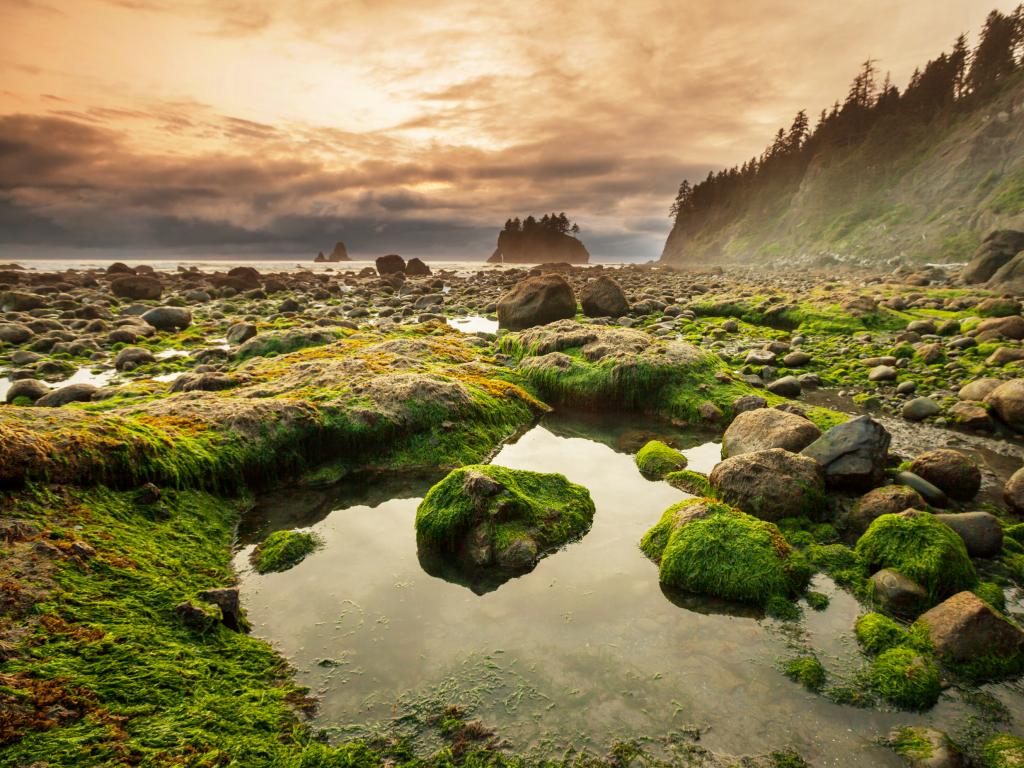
(278, 126)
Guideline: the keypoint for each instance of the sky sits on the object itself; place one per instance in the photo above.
(276, 127)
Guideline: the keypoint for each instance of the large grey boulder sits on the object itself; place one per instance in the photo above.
(765, 428)
(770, 484)
(853, 454)
(536, 301)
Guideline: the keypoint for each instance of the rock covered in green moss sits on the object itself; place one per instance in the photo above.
(1003, 751)
(877, 633)
(924, 747)
(657, 459)
(495, 516)
(709, 548)
(771, 484)
(282, 550)
(921, 548)
(689, 481)
(906, 678)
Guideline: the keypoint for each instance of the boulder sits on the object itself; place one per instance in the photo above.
(965, 627)
(1009, 278)
(416, 268)
(886, 500)
(897, 593)
(787, 386)
(1013, 492)
(1011, 327)
(994, 252)
(392, 264)
(231, 612)
(764, 428)
(603, 297)
(15, 333)
(137, 287)
(15, 301)
(981, 531)
(33, 389)
(952, 472)
(770, 484)
(853, 454)
(72, 393)
(130, 358)
(1007, 401)
(239, 333)
(168, 318)
(536, 301)
(919, 409)
(924, 747)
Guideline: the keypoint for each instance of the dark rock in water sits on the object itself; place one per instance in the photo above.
(770, 484)
(536, 301)
(168, 318)
(136, 287)
(392, 264)
(764, 428)
(981, 531)
(72, 393)
(930, 493)
(232, 615)
(897, 593)
(995, 251)
(951, 471)
(417, 268)
(965, 627)
(853, 454)
(603, 297)
(787, 386)
(33, 389)
(886, 500)
(538, 246)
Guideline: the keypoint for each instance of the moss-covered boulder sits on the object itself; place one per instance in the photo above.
(709, 548)
(920, 547)
(282, 550)
(906, 678)
(657, 459)
(490, 516)
(877, 633)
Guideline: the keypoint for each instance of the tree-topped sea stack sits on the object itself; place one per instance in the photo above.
(552, 239)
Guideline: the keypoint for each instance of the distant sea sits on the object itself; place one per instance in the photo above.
(263, 265)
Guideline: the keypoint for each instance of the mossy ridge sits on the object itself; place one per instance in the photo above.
(725, 553)
(282, 550)
(922, 549)
(556, 510)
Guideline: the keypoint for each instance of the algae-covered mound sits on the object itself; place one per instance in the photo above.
(921, 548)
(709, 548)
(657, 459)
(488, 515)
(906, 678)
(282, 550)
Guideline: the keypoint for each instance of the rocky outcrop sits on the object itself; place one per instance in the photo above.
(995, 251)
(340, 253)
(392, 264)
(538, 246)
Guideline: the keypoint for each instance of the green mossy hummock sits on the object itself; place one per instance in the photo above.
(657, 460)
(282, 550)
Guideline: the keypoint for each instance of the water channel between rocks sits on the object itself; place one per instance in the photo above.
(584, 650)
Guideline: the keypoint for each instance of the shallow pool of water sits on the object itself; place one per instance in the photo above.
(473, 324)
(584, 650)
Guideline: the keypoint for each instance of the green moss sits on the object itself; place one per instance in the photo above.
(689, 481)
(909, 743)
(726, 554)
(992, 594)
(906, 678)
(282, 550)
(807, 671)
(656, 459)
(921, 548)
(877, 633)
(1003, 751)
(817, 600)
(555, 510)
(840, 563)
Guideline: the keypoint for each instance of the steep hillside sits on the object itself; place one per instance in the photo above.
(925, 192)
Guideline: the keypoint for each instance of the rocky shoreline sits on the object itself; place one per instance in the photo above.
(144, 409)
